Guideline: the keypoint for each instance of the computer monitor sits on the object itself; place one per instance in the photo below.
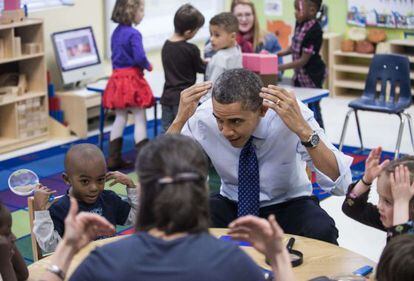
(77, 55)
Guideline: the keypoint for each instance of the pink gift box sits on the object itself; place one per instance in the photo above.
(11, 5)
(261, 63)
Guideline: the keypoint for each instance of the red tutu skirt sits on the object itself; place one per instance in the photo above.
(127, 87)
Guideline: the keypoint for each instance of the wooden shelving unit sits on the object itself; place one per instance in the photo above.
(349, 72)
(24, 116)
(405, 47)
(331, 42)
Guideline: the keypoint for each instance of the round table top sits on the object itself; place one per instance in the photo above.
(319, 258)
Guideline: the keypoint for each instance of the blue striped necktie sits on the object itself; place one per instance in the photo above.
(249, 181)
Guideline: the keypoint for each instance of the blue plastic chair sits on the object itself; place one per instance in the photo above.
(392, 72)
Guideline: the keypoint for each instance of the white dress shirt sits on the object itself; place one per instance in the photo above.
(282, 158)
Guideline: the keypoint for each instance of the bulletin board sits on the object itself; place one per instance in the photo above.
(157, 24)
(382, 13)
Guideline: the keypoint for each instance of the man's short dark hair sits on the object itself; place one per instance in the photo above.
(227, 21)
(239, 85)
(187, 18)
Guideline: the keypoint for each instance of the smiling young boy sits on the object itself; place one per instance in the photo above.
(223, 33)
(86, 174)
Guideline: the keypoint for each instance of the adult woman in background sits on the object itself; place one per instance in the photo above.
(250, 37)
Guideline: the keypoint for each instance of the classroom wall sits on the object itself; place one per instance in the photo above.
(337, 13)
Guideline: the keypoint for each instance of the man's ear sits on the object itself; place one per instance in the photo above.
(263, 109)
(66, 179)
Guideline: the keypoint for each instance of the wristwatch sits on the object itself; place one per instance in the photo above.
(56, 270)
(313, 140)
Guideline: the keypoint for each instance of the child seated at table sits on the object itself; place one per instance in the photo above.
(397, 261)
(86, 174)
(12, 264)
(395, 210)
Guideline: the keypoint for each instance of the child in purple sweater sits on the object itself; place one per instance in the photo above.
(127, 89)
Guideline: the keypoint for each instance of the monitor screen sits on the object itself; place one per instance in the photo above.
(76, 50)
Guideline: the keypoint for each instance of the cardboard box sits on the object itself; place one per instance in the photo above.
(261, 63)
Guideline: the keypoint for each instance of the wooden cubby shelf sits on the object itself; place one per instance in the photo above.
(350, 69)
(24, 109)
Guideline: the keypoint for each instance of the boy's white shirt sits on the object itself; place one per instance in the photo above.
(221, 61)
(48, 238)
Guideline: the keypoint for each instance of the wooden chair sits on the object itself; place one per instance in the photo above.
(37, 252)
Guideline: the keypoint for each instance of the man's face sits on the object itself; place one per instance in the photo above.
(235, 123)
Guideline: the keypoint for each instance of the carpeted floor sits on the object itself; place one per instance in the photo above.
(49, 166)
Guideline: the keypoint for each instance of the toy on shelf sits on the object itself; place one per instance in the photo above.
(364, 47)
(17, 47)
(376, 36)
(55, 110)
(31, 48)
(348, 45)
(11, 86)
(12, 12)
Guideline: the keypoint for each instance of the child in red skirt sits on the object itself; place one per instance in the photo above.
(127, 89)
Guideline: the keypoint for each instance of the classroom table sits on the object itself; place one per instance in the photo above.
(320, 258)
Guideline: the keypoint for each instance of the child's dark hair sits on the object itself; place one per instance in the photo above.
(124, 11)
(172, 172)
(397, 260)
(187, 18)
(227, 21)
(82, 152)
(318, 7)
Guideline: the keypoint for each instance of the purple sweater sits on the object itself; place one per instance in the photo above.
(127, 48)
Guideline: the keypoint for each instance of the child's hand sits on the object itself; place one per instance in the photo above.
(266, 236)
(41, 197)
(402, 193)
(83, 227)
(372, 166)
(401, 190)
(118, 177)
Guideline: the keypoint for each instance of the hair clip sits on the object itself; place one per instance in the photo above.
(181, 177)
